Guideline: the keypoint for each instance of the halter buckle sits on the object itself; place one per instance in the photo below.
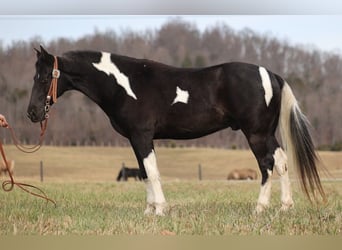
(56, 73)
(47, 106)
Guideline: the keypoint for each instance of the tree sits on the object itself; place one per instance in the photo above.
(314, 75)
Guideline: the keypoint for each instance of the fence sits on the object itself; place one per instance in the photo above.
(41, 170)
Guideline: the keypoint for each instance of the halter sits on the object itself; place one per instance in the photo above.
(52, 93)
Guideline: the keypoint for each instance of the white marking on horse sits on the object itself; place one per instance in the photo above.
(181, 96)
(280, 163)
(149, 198)
(266, 84)
(107, 66)
(265, 194)
(155, 195)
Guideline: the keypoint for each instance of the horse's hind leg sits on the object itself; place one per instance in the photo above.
(143, 149)
(269, 155)
(280, 163)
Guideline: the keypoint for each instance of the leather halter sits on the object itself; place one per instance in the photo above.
(52, 93)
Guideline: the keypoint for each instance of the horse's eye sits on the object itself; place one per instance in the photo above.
(44, 81)
(41, 79)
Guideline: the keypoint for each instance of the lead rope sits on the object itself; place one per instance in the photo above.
(29, 149)
(8, 185)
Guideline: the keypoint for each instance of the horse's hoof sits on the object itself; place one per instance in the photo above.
(160, 209)
(286, 206)
(155, 209)
(149, 210)
(260, 208)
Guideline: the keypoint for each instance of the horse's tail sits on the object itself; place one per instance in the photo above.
(298, 144)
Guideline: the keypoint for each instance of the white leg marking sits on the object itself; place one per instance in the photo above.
(265, 194)
(286, 194)
(107, 66)
(266, 83)
(181, 96)
(150, 198)
(280, 163)
(155, 193)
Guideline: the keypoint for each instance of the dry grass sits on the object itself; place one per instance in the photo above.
(90, 202)
(72, 164)
(195, 208)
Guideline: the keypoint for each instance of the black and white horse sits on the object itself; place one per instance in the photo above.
(147, 100)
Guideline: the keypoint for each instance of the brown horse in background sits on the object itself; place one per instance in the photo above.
(242, 174)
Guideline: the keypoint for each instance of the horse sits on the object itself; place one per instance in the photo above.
(3, 168)
(146, 100)
(126, 172)
(242, 174)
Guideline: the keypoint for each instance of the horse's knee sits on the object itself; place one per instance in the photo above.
(266, 168)
(266, 175)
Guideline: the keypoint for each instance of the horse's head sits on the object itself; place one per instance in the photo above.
(39, 102)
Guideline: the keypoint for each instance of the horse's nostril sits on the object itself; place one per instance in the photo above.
(31, 115)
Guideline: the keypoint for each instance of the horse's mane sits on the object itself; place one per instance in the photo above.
(77, 54)
(85, 55)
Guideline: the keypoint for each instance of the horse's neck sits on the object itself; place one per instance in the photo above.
(81, 81)
(86, 80)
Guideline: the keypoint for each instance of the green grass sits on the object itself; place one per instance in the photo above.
(195, 208)
(91, 202)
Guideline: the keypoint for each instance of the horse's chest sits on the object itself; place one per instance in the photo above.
(121, 129)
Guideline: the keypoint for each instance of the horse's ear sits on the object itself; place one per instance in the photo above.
(43, 51)
(38, 52)
(44, 55)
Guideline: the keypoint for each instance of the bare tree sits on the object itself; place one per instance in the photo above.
(314, 75)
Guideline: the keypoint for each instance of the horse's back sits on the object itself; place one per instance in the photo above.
(227, 95)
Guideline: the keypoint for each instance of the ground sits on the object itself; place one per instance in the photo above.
(91, 202)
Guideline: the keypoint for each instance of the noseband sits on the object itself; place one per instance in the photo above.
(52, 93)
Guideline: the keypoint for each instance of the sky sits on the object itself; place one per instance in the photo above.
(310, 23)
(180, 7)
(323, 32)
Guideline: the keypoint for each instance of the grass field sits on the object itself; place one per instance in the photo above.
(72, 164)
(90, 202)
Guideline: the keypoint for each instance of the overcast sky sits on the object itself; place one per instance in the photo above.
(179, 7)
(316, 23)
(319, 31)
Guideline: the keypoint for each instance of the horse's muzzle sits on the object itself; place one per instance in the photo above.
(34, 116)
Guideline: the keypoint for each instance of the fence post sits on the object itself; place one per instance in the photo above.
(41, 171)
(199, 172)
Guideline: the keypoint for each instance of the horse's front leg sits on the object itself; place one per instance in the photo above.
(144, 151)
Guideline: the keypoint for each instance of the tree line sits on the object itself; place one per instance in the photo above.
(314, 75)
